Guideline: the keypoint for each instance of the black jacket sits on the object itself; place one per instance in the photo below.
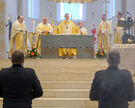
(113, 88)
(18, 86)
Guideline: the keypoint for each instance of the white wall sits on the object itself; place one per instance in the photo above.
(11, 11)
(131, 7)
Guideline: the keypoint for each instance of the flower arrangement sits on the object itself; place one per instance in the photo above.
(101, 53)
(33, 53)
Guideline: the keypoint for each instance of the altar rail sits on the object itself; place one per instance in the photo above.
(50, 45)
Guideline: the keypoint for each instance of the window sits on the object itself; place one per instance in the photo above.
(33, 9)
(77, 11)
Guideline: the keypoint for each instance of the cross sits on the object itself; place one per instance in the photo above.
(106, 2)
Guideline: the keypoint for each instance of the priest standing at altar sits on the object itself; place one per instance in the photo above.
(67, 27)
(43, 28)
(104, 33)
(18, 36)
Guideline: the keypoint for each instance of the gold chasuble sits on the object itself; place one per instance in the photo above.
(104, 35)
(67, 28)
(18, 37)
(42, 29)
(118, 33)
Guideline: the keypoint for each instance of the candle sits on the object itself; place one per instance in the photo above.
(33, 26)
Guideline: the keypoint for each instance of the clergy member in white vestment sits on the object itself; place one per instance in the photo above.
(18, 36)
(43, 28)
(104, 33)
(118, 31)
(83, 30)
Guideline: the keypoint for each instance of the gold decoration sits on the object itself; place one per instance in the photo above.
(73, 1)
(106, 2)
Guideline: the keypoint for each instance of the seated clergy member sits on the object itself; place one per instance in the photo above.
(18, 36)
(67, 27)
(19, 85)
(83, 30)
(113, 87)
(44, 28)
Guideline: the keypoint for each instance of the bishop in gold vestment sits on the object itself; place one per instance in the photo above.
(67, 27)
(18, 36)
(104, 34)
(44, 28)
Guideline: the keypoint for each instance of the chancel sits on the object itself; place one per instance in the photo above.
(67, 42)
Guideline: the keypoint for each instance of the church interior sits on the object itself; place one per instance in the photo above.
(66, 81)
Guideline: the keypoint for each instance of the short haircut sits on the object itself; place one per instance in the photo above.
(120, 14)
(17, 57)
(103, 14)
(18, 17)
(66, 14)
(114, 58)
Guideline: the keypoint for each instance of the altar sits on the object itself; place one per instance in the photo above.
(127, 53)
(50, 45)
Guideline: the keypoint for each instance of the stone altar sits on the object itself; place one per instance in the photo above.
(50, 45)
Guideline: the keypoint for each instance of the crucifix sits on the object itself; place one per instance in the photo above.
(106, 2)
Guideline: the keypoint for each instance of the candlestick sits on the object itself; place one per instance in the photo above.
(33, 26)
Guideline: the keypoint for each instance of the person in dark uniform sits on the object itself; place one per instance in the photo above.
(113, 87)
(19, 85)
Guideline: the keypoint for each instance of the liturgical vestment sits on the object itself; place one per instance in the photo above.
(18, 39)
(67, 28)
(39, 31)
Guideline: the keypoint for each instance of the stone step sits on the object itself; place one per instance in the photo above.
(64, 69)
(66, 77)
(70, 102)
(52, 66)
(66, 103)
(62, 103)
(66, 93)
(66, 84)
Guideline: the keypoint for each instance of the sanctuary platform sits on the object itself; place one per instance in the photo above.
(66, 83)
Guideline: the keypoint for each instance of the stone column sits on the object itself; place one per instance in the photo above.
(2, 29)
(19, 7)
(123, 7)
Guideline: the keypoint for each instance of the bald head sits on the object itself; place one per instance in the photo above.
(20, 19)
(44, 20)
